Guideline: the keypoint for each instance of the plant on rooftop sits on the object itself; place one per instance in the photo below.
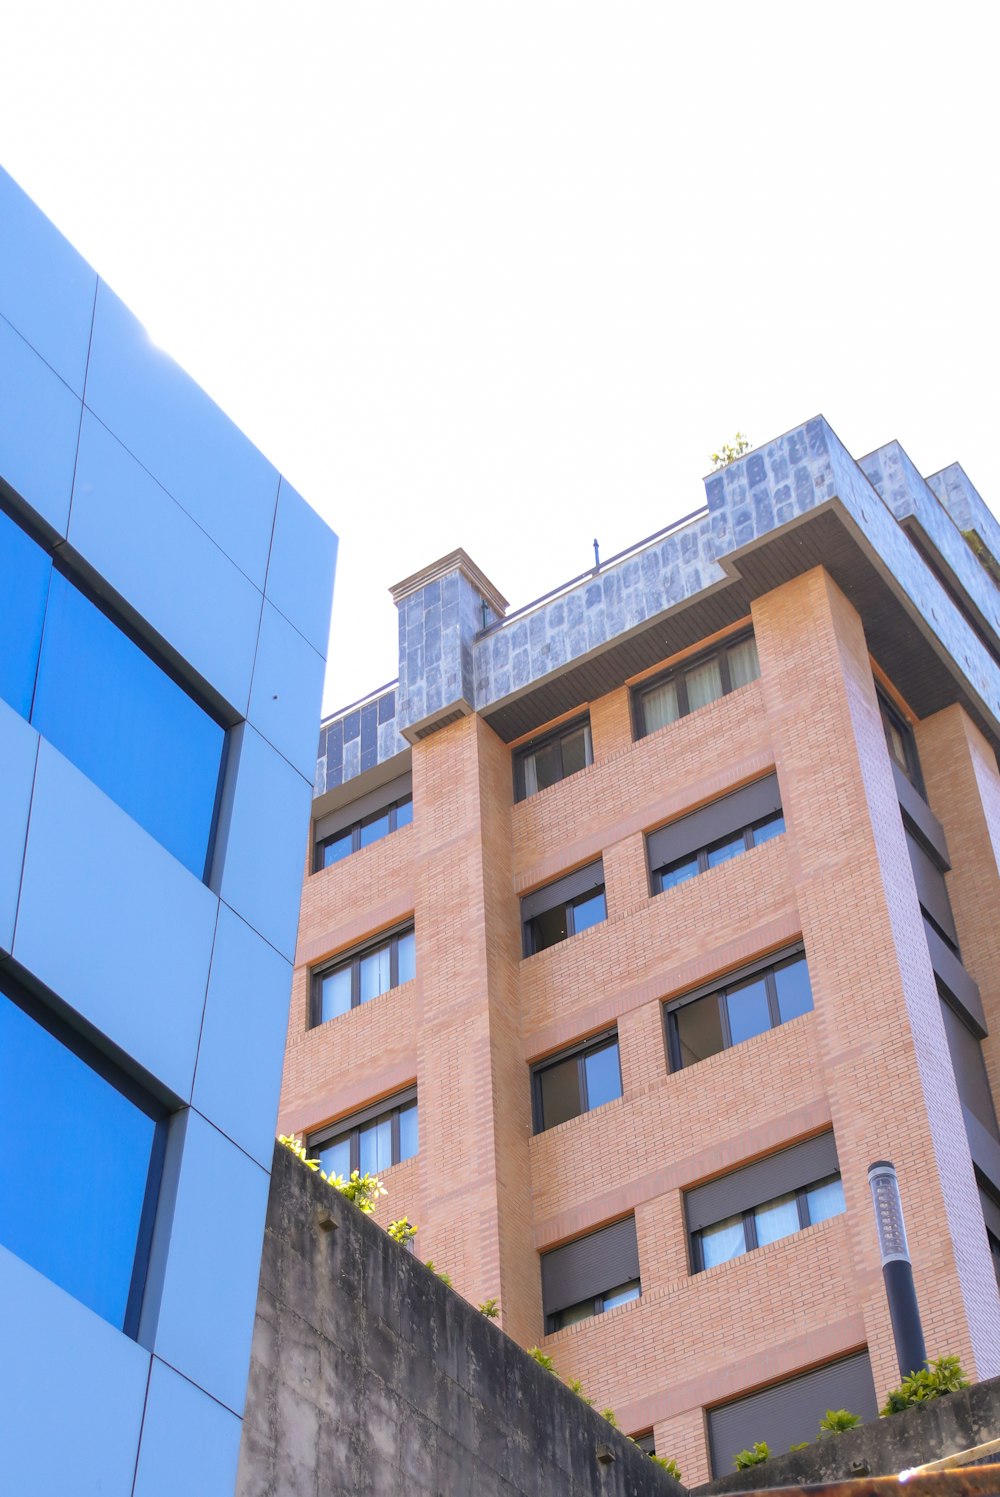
(755, 1456)
(439, 1273)
(611, 1417)
(490, 1308)
(402, 1231)
(934, 1379)
(575, 1386)
(542, 1359)
(666, 1464)
(836, 1421)
(730, 451)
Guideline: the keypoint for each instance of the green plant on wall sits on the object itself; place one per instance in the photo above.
(575, 1386)
(490, 1308)
(835, 1421)
(666, 1464)
(402, 1231)
(542, 1359)
(730, 451)
(932, 1381)
(755, 1456)
(611, 1417)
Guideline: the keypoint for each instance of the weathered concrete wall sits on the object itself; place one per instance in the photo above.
(884, 1447)
(369, 1376)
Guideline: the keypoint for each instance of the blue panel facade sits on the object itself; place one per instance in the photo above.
(163, 662)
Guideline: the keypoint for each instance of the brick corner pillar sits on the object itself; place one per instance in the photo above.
(471, 1077)
(881, 1040)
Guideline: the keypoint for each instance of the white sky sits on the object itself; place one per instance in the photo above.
(502, 275)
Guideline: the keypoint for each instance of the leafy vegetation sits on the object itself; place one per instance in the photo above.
(755, 1456)
(835, 1421)
(932, 1381)
(666, 1464)
(490, 1308)
(730, 451)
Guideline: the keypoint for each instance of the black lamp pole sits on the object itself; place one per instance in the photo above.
(897, 1270)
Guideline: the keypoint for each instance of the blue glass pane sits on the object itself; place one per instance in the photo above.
(825, 1198)
(406, 955)
(409, 1141)
(376, 1146)
(748, 1010)
(24, 584)
(335, 994)
(604, 1082)
(679, 872)
(337, 848)
(77, 1219)
(721, 852)
(375, 971)
(131, 729)
(794, 992)
(375, 829)
(622, 1295)
(773, 826)
(335, 1157)
(404, 812)
(588, 912)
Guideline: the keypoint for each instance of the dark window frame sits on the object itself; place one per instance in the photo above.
(353, 959)
(531, 949)
(645, 1441)
(701, 853)
(553, 1321)
(718, 989)
(580, 1051)
(567, 892)
(801, 1193)
(679, 673)
(351, 1126)
(544, 740)
(355, 828)
(891, 716)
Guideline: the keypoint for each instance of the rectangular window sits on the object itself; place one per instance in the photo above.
(788, 1413)
(364, 821)
(967, 1062)
(547, 760)
(900, 741)
(363, 974)
(763, 1202)
(564, 908)
(590, 1275)
(370, 1141)
(932, 891)
(85, 1225)
(714, 833)
(695, 684)
(99, 695)
(576, 1081)
(757, 998)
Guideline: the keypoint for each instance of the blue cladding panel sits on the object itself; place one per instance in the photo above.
(246, 1016)
(206, 1314)
(24, 585)
(113, 924)
(71, 1390)
(18, 747)
(46, 288)
(154, 554)
(287, 684)
(104, 1144)
(131, 729)
(190, 1444)
(300, 571)
(181, 436)
(266, 843)
(39, 426)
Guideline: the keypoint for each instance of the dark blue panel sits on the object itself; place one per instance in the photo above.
(352, 726)
(369, 736)
(78, 1221)
(24, 584)
(127, 725)
(387, 707)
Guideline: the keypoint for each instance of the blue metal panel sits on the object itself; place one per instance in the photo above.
(154, 554)
(266, 843)
(206, 1313)
(246, 1017)
(39, 426)
(113, 924)
(190, 1443)
(286, 691)
(65, 1372)
(300, 571)
(46, 288)
(181, 436)
(18, 747)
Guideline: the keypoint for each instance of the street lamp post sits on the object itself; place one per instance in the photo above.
(897, 1270)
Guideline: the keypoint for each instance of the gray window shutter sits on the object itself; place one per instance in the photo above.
(916, 810)
(963, 992)
(587, 1267)
(582, 881)
(931, 889)
(991, 1213)
(970, 1069)
(356, 1119)
(787, 1413)
(755, 1183)
(713, 821)
(365, 805)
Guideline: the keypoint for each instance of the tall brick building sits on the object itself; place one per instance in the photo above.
(639, 922)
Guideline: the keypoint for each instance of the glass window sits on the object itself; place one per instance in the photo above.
(375, 973)
(85, 1223)
(722, 1242)
(404, 812)
(725, 848)
(623, 1295)
(357, 979)
(748, 1009)
(576, 752)
(678, 873)
(545, 763)
(704, 684)
(791, 979)
(550, 927)
(699, 1030)
(715, 853)
(560, 1092)
(375, 1146)
(564, 917)
(776, 1219)
(335, 990)
(337, 848)
(335, 1158)
(825, 1198)
(119, 718)
(771, 826)
(374, 829)
(689, 687)
(588, 912)
(579, 1082)
(661, 706)
(409, 1138)
(603, 1074)
(25, 569)
(363, 833)
(378, 1139)
(406, 950)
(573, 1314)
(744, 665)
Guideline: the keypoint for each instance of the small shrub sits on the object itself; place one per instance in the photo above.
(402, 1231)
(755, 1456)
(932, 1381)
(610, 1416)
(575, 1386)
(439, 1273)
(802, 1445)
(836, 1421)
(541, 1358)
(490, 1308)
(730, 451)
(666, 1464)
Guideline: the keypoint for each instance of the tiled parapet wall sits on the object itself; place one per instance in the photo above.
(438, 624)
(965, 505)
(353, 741)
(909, 496)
